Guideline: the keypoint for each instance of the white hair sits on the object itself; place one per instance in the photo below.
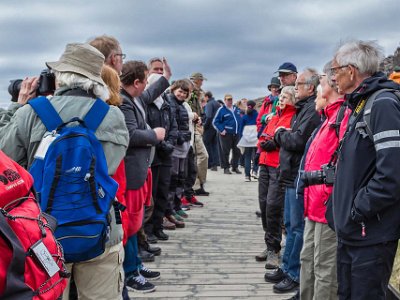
(74, 80)
(366, 56)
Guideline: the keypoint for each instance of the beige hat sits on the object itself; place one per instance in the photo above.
(197, 75)
(82, 59)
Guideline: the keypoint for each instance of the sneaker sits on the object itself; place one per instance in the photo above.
(196, 203)
(272, 260)
(262, 256)
(139, 284)
(215, 168)
(185, 202)
(254, 175)
(237, 171)
(247, 179)
(185, 207)
(182, 214)
(149, 274)
(167, 225)
(226, 171)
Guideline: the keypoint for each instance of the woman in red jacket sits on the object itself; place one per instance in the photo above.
(270, 190)
(318, 256)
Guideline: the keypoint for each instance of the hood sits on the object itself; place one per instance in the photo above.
(371, 84)
(331, 108)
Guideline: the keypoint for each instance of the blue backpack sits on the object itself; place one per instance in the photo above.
(72, 180)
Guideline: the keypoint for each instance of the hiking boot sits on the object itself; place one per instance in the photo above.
(181, 214)
(194, 202)
(167, 225)
(201, 191)
(275, 276)
(151, 238)
(139, 284)
(237, 171)
(272, 260)
(226, 171)
(247, 179)
(149, 274)
(178, 224)
(146, 256)
(156, 251)
(287, 285)
(161, 235)
(262, 256)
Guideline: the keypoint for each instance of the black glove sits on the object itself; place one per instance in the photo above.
(165, 148)
(268, 145)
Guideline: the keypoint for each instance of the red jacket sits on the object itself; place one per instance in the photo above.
(319, 153)
(266, 108)
(282, 118)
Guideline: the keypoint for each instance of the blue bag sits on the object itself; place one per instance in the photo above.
(72, 180)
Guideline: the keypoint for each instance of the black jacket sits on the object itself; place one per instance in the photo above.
(292, 142)
(163, 117)
(367, 187)
(141, 138)
(210, 111)
(181, 116)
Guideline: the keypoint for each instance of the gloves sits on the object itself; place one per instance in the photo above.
(268, 146)
(165, 148)
(183, 137)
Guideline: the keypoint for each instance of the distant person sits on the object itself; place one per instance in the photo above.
(287, 74)
(227, 123)
(111, 50)
(268, 106)
(210, 135)
(155, 66)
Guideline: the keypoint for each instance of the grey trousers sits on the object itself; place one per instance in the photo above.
(318, 279)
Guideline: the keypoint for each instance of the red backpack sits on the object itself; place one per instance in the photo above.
(31, 260)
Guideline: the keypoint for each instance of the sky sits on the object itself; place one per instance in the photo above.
(236, 44)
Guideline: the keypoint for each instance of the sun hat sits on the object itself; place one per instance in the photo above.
(197, 75)
(274, 82)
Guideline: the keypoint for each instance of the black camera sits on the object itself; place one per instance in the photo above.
(46, 85)
(324, 176)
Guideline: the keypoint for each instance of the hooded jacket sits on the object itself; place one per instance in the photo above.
(292, 142)
(366, 195)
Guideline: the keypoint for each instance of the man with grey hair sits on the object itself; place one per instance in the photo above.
(366, 195)
(111, 49)
(292, 145)
(78, 83)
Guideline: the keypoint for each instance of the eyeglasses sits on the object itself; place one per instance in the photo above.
(334, 70)
(300, 83)
(120, 54)
(229, 99)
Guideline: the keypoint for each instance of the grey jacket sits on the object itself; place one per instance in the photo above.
(20, 137)
(141, 136)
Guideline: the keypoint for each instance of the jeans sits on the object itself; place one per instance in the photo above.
(294, 223)
(132, 262)
(249, 153)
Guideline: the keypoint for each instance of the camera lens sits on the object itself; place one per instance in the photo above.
(313, 177)
(14, 88)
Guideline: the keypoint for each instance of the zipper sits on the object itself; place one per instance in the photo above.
(87, 222)
(71, 136)
(363, 231)
(78, 236)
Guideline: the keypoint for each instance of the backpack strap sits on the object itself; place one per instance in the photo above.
(339, 118)
(96, 114)
(46, 112)
(15, 286)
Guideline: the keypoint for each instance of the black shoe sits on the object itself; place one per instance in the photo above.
(161, 235)
(149, 274)
(287, 285)
(275, 276)
(226, 171)
(145, 256)
(258, 213)
(236, 171)
(215, 168)
(151, 238)
(296, 296)
(154, 250)
(201, 192)
(139, 284)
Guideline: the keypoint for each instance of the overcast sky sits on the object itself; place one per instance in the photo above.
(237, 44)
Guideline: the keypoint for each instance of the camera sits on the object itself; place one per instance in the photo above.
(324, 176)
(46, 85)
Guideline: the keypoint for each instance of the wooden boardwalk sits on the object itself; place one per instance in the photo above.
(213, 257)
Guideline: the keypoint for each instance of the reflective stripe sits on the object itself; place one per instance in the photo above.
(385, 145)
(386, 134)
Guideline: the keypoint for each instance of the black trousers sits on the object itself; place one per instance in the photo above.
(271, 195)
(210, 139)
(364, 272)
(160, 190)
(229, 142)
(190, 174)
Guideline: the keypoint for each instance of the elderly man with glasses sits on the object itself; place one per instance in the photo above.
(366, 195)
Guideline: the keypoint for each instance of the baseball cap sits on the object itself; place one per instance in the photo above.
(287, 67)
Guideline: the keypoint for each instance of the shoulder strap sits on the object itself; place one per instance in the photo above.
(339, 118)
(15, 286)
(96, 114)
(368, 106)
(46, 112)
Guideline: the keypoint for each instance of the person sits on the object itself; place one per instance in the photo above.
(287, 74)
(292, 144)
(318, 256)
(78, 83)
(227, 123)
(268, 106)
(271, 191)
(111, 49)
(155, 66)
(366, 198)
(200, 150)
(395, 75)
(249, 132)
(210, 135)
(137, 162)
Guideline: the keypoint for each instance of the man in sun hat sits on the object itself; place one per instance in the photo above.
(287, 74)
(78, 84)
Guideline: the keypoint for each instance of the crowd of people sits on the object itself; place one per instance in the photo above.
(322, 146)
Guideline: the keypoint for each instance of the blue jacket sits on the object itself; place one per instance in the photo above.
(249, 119)
(227, 120)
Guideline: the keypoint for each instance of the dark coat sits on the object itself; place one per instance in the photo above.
(293, 142)
(141, 137)
(210, 111)
(367, 186)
